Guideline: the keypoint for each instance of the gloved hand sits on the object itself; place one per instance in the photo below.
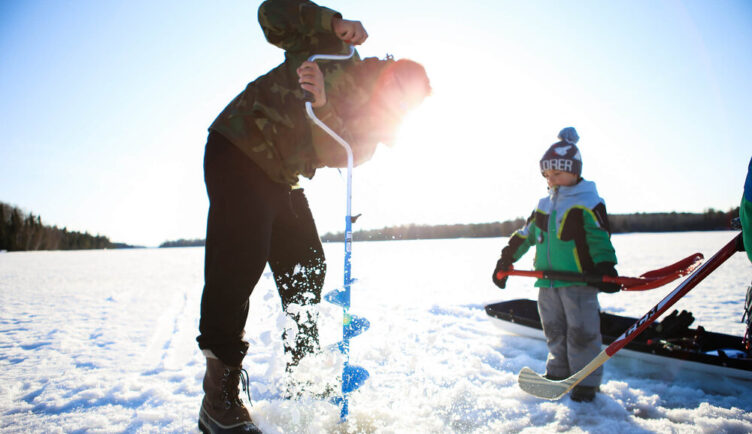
(607, 269)
(503, 264)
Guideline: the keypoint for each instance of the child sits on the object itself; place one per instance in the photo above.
(570, 231)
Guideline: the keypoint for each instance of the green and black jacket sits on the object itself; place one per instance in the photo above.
(745, 212)
(569, 230)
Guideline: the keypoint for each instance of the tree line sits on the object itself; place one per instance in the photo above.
(428, 232)
(21, 231)
(25, 231)
(710, 220)
(193, 242)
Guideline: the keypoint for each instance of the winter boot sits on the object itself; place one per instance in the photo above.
(222, 411)
(551, 377)
(583, 393)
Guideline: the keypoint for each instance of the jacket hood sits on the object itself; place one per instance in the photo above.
(562, 198)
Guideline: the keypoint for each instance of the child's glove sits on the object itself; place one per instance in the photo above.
(503, 264)
(607, 269)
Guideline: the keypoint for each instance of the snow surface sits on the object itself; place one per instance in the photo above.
(104, 341)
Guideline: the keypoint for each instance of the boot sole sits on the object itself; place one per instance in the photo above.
(208, 426)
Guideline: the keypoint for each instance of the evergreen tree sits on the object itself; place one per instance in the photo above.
(27, 232)
(15, 228)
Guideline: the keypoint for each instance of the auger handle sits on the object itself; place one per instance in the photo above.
(308, 96)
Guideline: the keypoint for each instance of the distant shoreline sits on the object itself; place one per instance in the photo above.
(711, 220)
(26, 232)
(201, 243)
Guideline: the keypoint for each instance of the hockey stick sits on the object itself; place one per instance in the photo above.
(535, 384)
(649, 280)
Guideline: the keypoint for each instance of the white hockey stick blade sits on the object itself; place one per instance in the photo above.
(536, 385)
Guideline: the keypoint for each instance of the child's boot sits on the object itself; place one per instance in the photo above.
(583, 393)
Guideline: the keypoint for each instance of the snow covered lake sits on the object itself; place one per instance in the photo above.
(104, 341)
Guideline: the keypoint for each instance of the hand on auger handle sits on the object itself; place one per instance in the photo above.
(649, 280)
(535, 384)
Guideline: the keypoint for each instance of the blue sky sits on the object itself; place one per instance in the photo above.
(104, 107)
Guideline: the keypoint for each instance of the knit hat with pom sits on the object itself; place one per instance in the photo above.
(563, 155)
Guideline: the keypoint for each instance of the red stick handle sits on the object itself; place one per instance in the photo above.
(649, 280)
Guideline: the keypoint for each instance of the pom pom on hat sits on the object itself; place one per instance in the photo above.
(563, 155)
(569, 135)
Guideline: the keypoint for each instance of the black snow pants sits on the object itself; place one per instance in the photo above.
(253, 220)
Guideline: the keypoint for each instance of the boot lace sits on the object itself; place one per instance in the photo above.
(230, 392)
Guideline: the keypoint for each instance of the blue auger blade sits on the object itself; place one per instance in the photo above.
(337, 297)
(354, 327)
(353, 377)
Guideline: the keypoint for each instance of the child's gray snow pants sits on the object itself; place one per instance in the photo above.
(571, 322)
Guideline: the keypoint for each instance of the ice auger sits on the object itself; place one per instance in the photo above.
(352, 376)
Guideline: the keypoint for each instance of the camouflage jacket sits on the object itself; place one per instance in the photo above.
(570, 232)
(267, 120)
